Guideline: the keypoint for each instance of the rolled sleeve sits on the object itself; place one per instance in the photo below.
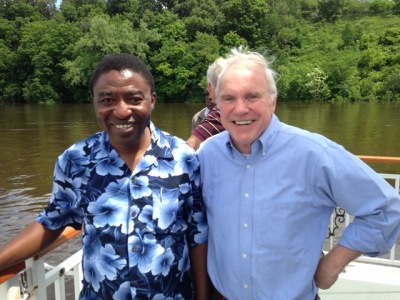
(364, 194)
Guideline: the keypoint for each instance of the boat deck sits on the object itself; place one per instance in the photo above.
(364, 281)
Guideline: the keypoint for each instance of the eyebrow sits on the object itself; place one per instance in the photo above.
(135, 92)
(105, 93)
(130, 92)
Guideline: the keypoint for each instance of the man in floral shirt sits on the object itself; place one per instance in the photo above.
(135, 190)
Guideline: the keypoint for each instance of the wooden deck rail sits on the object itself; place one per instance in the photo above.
(66, 235)
(69, 232)
(380, 159)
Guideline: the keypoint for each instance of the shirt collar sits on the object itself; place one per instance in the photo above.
(263, 143)
(160, 145)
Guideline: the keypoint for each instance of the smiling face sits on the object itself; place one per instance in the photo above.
(245, 103)
(123, 102)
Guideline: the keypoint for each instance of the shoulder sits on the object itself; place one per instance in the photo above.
(200, 113)
(302, 136)
(87, 144)
(215, 112)
(215, 143)
(165, 140)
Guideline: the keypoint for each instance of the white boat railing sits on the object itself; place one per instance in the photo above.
(340, 219)
(30, 279)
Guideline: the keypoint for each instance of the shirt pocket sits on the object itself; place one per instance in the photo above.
(168, 212)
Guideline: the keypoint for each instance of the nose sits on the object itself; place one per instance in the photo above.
(122, 110)
(241, 106)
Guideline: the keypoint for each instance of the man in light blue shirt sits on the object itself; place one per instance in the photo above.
(270, 189)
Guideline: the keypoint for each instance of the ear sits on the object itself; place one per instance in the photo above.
(273, 103)
(211, 90)
(153, 100)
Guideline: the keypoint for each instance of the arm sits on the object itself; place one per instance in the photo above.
(198, 262)
(29, 242)
(332, 264)
(194, 142)
(210, 126)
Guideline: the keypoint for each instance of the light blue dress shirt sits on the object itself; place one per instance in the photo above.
(268, 212)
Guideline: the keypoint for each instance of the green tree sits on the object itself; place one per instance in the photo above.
(121, 7)
(105, 36)
(288, 38)
(370, 61)
(247, 18)
(356, 8)
(9, 87)
(230, 40)
(391, 84)
(351, 34)
(206, 49)
(204, 18)
(391, 37)
(330, 10)
(317, 87)
(22, 9)
(132, 10)
(380, 6)
(309, 9)
(173, 71)
(77, 10)
(168, 25)
(396, 7)
(349, 39)
(44, 46)
(10, 34)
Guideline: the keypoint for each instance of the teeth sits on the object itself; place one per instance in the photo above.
(123, 126)
(243, 122)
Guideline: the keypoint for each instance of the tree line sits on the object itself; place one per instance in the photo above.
(324, 50)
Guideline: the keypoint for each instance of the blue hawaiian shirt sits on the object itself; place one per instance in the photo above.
(138, 226)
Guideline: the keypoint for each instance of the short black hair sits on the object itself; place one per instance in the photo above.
(119, 62)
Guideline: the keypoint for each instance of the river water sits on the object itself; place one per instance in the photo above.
(32, 136)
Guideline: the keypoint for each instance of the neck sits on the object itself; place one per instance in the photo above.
(131, 155)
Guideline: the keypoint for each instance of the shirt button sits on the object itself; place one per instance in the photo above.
(134, 214)
(246, 195)
(133, 179)
(244, 255)
(248, 167)
(245, 225)
(245, 286)
(134, 248)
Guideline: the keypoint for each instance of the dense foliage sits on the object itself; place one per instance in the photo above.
(324, 50)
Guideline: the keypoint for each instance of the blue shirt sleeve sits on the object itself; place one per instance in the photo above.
(364, 194)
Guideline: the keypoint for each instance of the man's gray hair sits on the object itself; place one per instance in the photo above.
(242, 56)
(214, 70)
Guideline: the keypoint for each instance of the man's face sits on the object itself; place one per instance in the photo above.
(123, 103)
(210, 103)
(244, 101)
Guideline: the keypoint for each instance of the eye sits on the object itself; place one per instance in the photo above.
(136, 100)
(106, 101)
(253, 97)
(227, 99)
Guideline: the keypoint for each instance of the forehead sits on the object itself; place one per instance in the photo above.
(118, 78)
(239, 75)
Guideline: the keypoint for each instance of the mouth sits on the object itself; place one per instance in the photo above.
(241, 123)
(123, 126)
